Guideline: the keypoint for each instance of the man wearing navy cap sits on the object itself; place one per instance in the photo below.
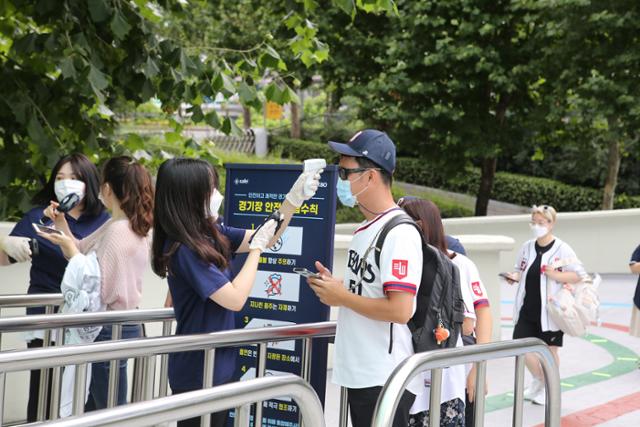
(376, 301)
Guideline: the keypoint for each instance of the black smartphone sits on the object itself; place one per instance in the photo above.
(306, 273)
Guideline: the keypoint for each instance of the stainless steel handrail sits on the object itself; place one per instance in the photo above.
(438, 359)
(75, 320)
(30, 300)
(191, 404)
(82, 354)
(60, 322)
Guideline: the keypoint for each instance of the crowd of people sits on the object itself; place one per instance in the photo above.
(108, 233)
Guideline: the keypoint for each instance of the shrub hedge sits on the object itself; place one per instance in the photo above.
(508, 187)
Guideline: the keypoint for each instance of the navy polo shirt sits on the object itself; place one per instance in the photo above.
(191, 282)
(635, 257)
(47, 268)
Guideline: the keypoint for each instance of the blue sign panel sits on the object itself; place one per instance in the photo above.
(280, 296)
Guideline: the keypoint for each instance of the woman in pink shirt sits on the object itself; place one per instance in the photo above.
(122, 250)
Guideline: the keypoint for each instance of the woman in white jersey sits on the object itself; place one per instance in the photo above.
(427, 216)
(535, 277)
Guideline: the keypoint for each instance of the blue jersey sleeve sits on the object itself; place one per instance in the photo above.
(235, 236)
(204, 278)
(635, 257)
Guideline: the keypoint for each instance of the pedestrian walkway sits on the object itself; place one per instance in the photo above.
(599, 372)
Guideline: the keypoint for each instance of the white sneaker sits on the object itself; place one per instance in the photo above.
(533, 389)
(539, 399)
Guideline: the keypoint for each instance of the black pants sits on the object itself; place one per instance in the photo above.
(362, 402)
(34, 387)
(218, 419)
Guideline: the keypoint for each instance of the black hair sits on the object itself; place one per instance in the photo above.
(363, 162)
(131, 183)
(86, 172)
(183, 190)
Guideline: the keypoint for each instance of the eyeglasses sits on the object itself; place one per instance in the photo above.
(539, 223)
(344, 173)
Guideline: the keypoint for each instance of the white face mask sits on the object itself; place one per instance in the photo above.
(215, 202)
(539, 230)
(64, 187)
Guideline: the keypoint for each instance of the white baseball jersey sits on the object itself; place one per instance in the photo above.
(361, 356)
(474, 293)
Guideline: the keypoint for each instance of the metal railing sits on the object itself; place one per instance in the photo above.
(479, 354)
(60, 322)
(148, 348)
(200, 402)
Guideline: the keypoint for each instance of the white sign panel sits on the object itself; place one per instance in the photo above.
(290, 243)
(276, 286)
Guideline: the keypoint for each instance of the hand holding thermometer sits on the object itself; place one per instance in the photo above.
(69, 202)
(277, 216)
(312, 165)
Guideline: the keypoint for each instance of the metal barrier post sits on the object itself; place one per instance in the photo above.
(114, 371)
(43, 392)
(243, 416)
(207, 379)
(79, 389)
(478, 408)
(305, 371)
(3, 377)
(435, 392)
(344, 407)
(56, 381)
(149, 377)
(261, 364)
(164, 363)
(518, 392)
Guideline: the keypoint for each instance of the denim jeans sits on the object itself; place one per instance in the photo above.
(99, 388)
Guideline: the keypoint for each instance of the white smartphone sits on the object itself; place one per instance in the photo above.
(306, 273)
(45, 229)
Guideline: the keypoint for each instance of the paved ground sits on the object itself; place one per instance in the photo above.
(599, 372)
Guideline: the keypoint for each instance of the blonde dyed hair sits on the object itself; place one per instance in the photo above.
(548, 212)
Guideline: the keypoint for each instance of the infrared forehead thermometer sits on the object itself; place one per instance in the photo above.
(312, 165)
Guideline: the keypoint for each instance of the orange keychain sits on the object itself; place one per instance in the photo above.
(441, 333)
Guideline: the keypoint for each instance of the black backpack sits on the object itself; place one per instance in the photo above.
(439, 298)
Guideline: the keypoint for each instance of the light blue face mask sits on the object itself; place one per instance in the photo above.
(345, 195)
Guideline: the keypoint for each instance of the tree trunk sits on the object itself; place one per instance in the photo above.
(246, 117)
(486, 185)
(613, 166)
(296, 125)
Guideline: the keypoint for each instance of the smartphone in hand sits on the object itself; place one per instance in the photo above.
(507, 276)
(45, 229)
(306, 273)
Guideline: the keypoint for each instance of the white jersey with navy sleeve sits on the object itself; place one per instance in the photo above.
(361, 357)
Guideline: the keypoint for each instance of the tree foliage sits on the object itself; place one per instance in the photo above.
(66, 65)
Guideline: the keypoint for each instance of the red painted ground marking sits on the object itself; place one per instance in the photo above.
(602, 413)
(614, 326)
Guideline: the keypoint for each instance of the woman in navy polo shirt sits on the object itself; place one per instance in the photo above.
(194, 251)
(73, 173)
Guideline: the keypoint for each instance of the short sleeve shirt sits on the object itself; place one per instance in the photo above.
(47, 268)
(635, 257)
(192, 281)
(362, 357)
(473, 291)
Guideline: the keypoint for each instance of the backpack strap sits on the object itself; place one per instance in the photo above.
(402, 218)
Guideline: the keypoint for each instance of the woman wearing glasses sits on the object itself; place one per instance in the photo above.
(535, 277)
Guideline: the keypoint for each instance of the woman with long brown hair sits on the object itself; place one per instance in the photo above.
(122, 249)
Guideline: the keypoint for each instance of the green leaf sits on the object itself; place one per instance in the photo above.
(197, 115)
(212, 119)
(151, 68)
(226, 125)
(120, 26)
(67, 69)
(246, 93)
(134, 142)
(348, 6)
(36, 132)
(99, 10)
(97, 79)
(173, 137)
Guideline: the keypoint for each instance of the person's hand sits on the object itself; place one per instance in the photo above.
(263, 236)
(16, 247)
(549, 271)
(66, 243)
(471, 384)
(327, 288)
(468, 325)
(58, 218)
(304, 188)
(510, 278)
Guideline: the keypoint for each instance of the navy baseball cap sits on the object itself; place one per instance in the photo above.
(371, 144)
